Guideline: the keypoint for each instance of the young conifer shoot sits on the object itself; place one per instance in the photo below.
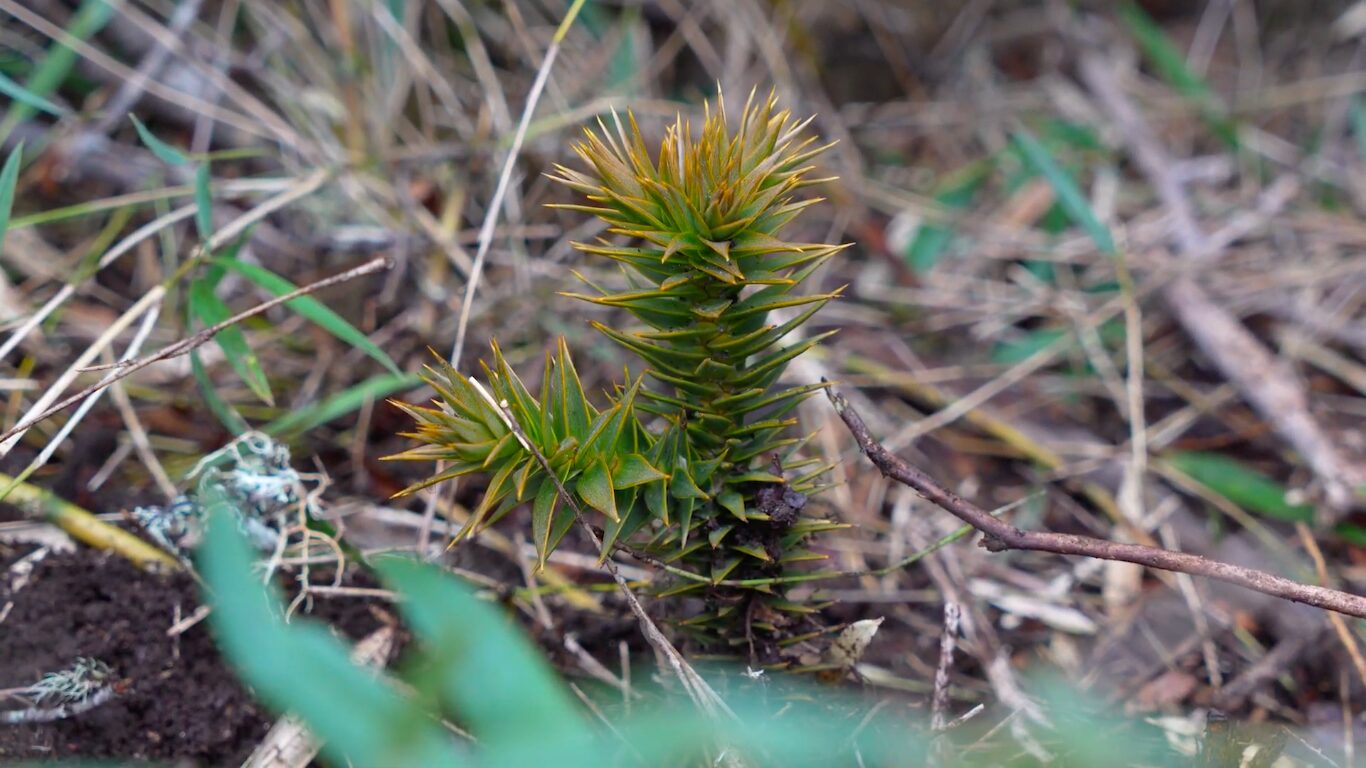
(695, 462)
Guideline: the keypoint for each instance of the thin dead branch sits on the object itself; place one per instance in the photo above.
(1000, 536)
(1267, 383)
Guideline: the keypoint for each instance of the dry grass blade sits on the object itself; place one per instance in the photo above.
(1001, 536)
(181, 347)
(505, 179)
(1262, 379)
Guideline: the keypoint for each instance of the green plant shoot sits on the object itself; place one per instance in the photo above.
(695, 459)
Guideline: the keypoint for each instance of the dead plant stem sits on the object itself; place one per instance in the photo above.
(1000, 536)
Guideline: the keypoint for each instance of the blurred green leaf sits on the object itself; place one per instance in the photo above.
(956, 193)
(1240, 484)
(163, 151)
(1072, 134)
(54, 67)
(1069, 195)
(203, 198)
(335, 406)
(1170, 65)
(301, 668)
(209, 310)
(1020, 348)
(1357, 114)
(23, 95)
(219, 407)
(474, 659)
(9, 178)
(1351, 533)
(489, 673)
(310, 308)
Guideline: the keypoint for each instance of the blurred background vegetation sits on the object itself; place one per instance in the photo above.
(1107, 270)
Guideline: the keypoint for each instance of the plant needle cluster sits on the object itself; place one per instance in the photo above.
(694, 462)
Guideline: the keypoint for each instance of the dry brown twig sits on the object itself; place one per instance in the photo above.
(1265, 381)
(1000, 536)
(1344, 633)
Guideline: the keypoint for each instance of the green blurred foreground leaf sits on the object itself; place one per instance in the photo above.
(302, 668)
(474, 666)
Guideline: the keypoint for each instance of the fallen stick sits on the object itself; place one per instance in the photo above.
(80, 524)
(1000, 536)
(1266, 382)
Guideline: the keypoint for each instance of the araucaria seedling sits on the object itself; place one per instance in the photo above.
(694, 463)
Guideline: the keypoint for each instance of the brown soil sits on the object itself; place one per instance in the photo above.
(178, 699)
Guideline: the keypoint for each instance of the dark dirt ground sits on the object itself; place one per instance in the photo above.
(178, 700)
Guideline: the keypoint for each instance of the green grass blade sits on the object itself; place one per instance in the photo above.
(209, 309)
(311, 309)
(956, 193)
(219, 407)
(48, 75)
(23, 95)
(1357, 115)
(299, 667)
(1070, 196)
(1170, 65)
(164, 152)
(90, 208)
(9, 179)
(1240, 484)
(203, 198)
(347, 401)
(1021, 348)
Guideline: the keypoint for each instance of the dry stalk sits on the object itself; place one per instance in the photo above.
(1000, 536)
(504, 179)
(947, 642)
(84, 526)
(1265, 381)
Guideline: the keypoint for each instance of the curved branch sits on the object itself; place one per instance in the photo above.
(1001, 536)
